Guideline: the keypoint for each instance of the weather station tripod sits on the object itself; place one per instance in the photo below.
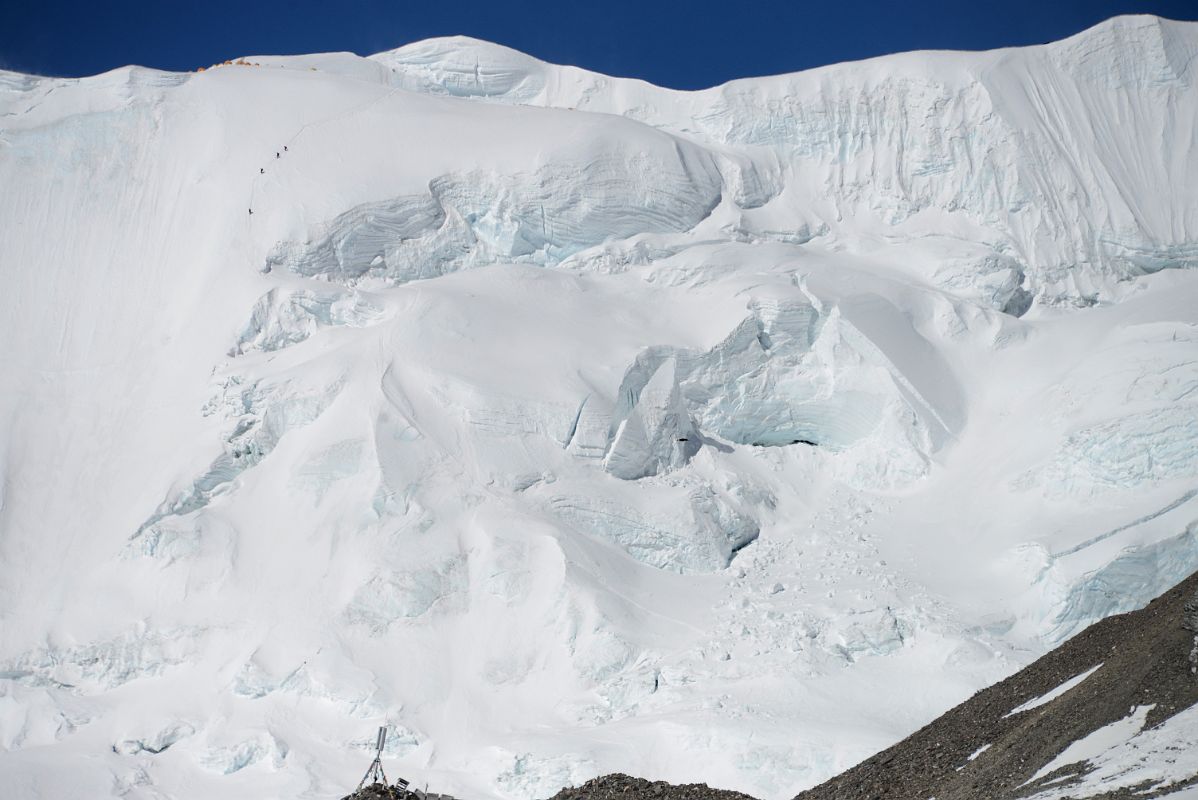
(375, 773)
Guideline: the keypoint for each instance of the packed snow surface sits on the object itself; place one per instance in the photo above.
(1125, 755)
(564, 424)
(1097, 742)
(1048, 697)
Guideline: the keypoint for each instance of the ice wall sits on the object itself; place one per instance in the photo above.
(1033, 145)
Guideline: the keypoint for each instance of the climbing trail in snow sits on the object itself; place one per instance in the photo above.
(314, 124)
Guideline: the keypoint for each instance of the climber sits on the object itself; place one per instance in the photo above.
(251, 211)
(284, 148)
(261, 170)
(276, 155)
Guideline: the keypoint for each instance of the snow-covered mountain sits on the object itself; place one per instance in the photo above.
(570, 425)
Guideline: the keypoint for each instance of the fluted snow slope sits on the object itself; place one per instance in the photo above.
(566, 424)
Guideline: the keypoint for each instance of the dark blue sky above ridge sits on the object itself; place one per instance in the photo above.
(685, 45)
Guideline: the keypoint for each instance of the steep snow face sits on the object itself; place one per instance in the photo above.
(482, 217)
(591, 427)
(1073, 162)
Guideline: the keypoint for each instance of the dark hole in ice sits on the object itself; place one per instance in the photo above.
(805, 441)
(1019, 304)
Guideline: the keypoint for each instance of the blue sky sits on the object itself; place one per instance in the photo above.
(680, 44)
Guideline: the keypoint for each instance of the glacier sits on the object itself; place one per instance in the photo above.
(564, 424)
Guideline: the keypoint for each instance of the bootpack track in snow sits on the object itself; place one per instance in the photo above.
(286, 151)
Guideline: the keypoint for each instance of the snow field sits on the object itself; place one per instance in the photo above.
(569, 425)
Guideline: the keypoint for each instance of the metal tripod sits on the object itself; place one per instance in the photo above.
(375, 773)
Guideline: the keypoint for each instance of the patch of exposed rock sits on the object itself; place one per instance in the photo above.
(380, 791)
(624, 787)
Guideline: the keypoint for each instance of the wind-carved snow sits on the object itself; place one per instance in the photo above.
(1117, 586)
(440, 66)
(230, 758)
(977, 138)
(258, 417)
(142, 652)
(1124, 425)
(403, 594)
(313, 682)
(651, 426)
(790, 374)
(994, 279)
(284, 318)
(339, 462)
(1126, 452)
(543, 217)
(862, 634)
(699, 529)
(157, 742)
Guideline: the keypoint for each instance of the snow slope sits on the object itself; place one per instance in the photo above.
(570, 425)
(1109, 713)
(1131, 757)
